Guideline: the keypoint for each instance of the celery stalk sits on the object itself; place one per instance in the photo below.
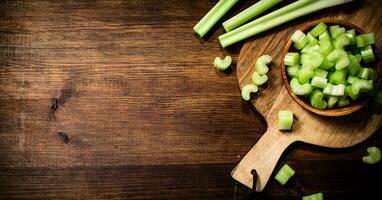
(285, 14)
(249, 14)
(213, 16)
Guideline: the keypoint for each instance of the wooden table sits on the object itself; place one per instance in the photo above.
(118, 100)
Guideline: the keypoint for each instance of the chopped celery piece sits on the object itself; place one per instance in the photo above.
(325, 47)
(258, 79)
(319, 82)
(291, 58)
(334, 90)
(292, 71)
(324, 36)
(299, 39)
(222, 65)
(350, 93)
(318, 29)
(351, 35)
(261, 64)
(285, 120)
(304, 75)
(317, 196)
(327, 65)
(367, 54)
(213, 16)
(310, 48)
(312, 40)
(280, 16)
(312, 60)
(300, 89)
(351, 79)
(343, 101)
(361, 85)
(364, 73)
(365, 39)
(247, 90)
(284, 174)
(336, 31)
(317, 100)
(340, 57)
(373, 157)
(249, 13)
(358, 57)
(321, 73)
(332, 101)
(378, 97)
(354, 65)
(338, 77)
(341, 41)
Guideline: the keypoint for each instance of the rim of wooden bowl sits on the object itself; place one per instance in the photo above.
(354, 106)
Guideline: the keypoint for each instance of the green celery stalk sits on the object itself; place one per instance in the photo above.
(213, 16)
(285, 14)
(249, 14)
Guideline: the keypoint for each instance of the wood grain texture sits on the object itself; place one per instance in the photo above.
(118, 100)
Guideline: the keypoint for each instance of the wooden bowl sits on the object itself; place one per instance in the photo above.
(346, 110)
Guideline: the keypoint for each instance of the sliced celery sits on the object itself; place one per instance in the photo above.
(321, 73)
(304, 75)
(332, 101)
(340, 57)
(285, 120)
(312, 60)
(365, 39)
(319, 82)
(317, 196)
(280, 16)
(351, 79)
(373, 74)
(354, 65)
(291, 58)
(336, 31)
(373, 157)
(338, 77)
(213, 16)
(325, 47)
(299, 39)
(222, 65)
(284, 174)
(258, 79)
(367, 54)
(317, 100)
(327, 65)
(324, 36)
(343, 101)
(335, 90)
(358, 57)
(318, 29)
(361, 85)
(292, 71)
(312, 40)
(351, 35)
(364, 73)
(249, 13)
(247, 90)
(350, 93)
(300, 89)
(261, 64)
(310, 48)
(341, 41)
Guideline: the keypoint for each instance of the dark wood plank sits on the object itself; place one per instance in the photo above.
(118, 100)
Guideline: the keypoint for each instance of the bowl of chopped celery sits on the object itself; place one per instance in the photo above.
(330, 67)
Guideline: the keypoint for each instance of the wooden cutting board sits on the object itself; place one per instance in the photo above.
(338, 132)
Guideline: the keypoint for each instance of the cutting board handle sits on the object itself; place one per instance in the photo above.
(263, 158)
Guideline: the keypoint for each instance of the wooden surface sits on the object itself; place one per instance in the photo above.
(118, 100)
(308, 127)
